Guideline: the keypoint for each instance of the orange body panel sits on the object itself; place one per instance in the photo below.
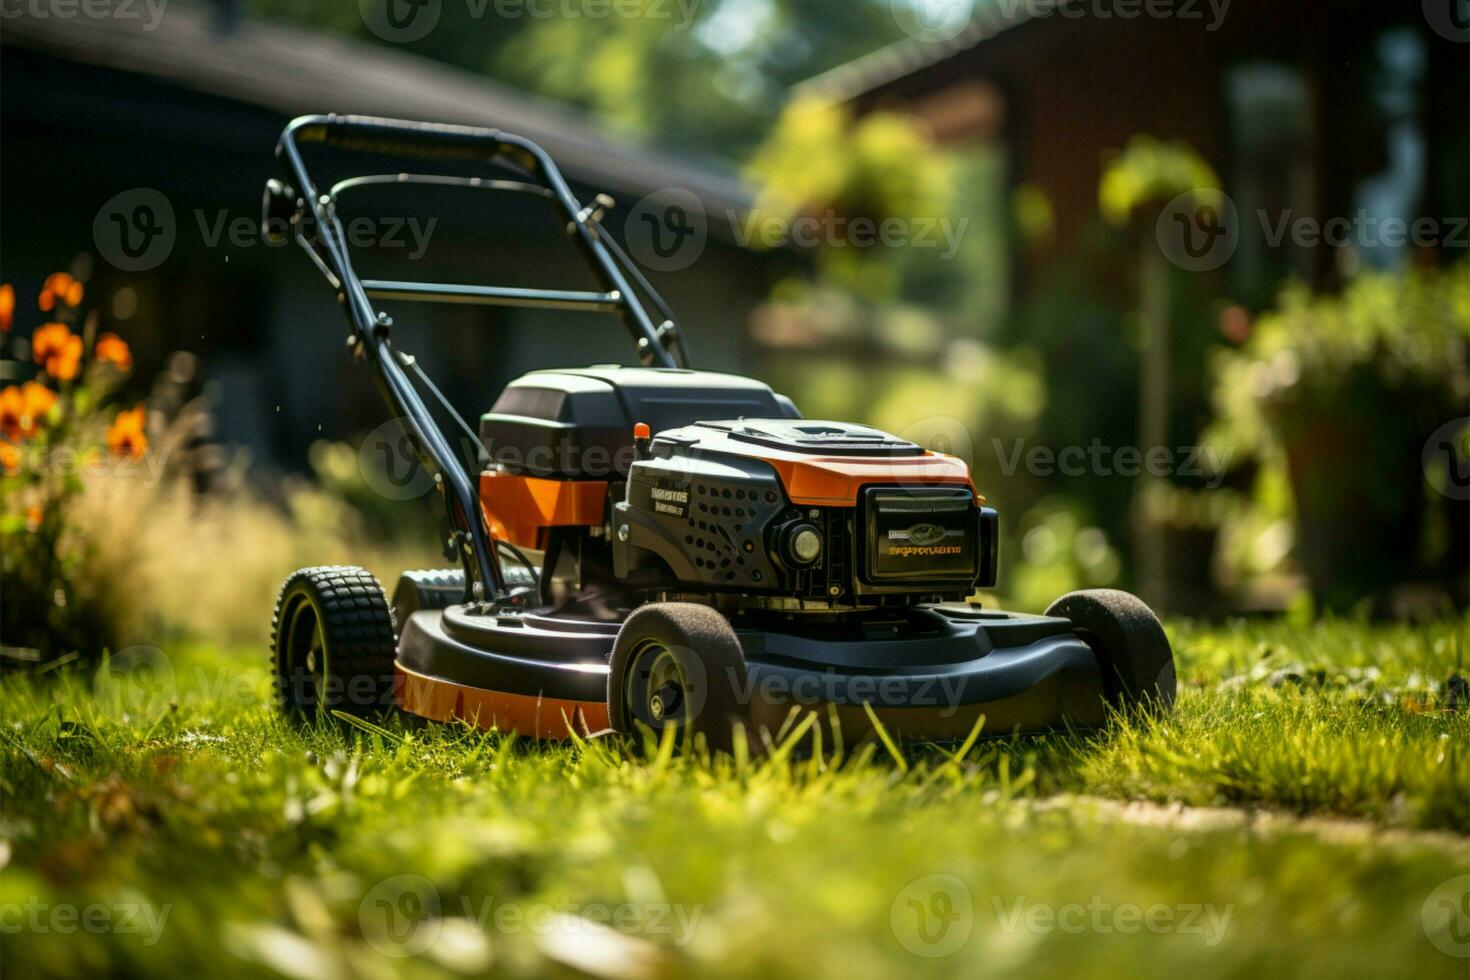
(520, 509)
(438, 700)
(833, 481)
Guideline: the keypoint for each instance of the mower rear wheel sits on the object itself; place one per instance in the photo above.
(332, 644)
(430, 588)
(679, 664)
(1132, 650)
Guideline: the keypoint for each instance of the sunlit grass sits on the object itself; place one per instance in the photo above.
(270, 845)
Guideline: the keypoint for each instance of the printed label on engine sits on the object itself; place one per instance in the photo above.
(919, 536)
(660, 495)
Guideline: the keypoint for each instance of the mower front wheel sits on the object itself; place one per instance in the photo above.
(332, 643)
(679, 664)
(1133, 653)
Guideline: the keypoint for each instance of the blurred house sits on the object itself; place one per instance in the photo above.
(92, 106)
(1307, 109)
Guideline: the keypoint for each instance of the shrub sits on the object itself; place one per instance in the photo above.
(65, 424)
(1341, 392)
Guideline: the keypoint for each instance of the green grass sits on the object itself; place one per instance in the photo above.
(279, 850)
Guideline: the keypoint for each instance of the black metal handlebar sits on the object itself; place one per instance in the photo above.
(484, 577)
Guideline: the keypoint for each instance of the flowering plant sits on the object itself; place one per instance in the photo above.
(59, 422)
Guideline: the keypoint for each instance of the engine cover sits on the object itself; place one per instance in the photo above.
(577, 423)
(820, 511)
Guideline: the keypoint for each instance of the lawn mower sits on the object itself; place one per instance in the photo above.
(651, 545)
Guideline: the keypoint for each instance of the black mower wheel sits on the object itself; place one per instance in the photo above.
(1132, 650)
(430, 588)
(332, 644)
(678, 663)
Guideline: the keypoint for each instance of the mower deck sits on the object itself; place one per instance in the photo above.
(928, 673)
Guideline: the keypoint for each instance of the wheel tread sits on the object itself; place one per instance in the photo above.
(357, 623)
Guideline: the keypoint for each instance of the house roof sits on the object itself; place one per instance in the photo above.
(296, 71)
(878, 69)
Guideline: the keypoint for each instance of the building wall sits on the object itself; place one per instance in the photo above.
(266, 328)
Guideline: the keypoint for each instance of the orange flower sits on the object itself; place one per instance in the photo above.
(7, 307)
(112, 349)
(59, 286)
(33, 518)
(126, 436)
(9, 458)
(24, 408)
(60, 350)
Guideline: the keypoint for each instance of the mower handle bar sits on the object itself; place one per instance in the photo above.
(471, 539)
(445, 141)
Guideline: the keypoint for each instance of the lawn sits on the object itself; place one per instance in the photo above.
(1305, 809)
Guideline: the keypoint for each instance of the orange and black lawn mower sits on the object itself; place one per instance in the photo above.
(655, 545)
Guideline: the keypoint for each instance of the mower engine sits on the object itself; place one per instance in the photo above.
(734, 496)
